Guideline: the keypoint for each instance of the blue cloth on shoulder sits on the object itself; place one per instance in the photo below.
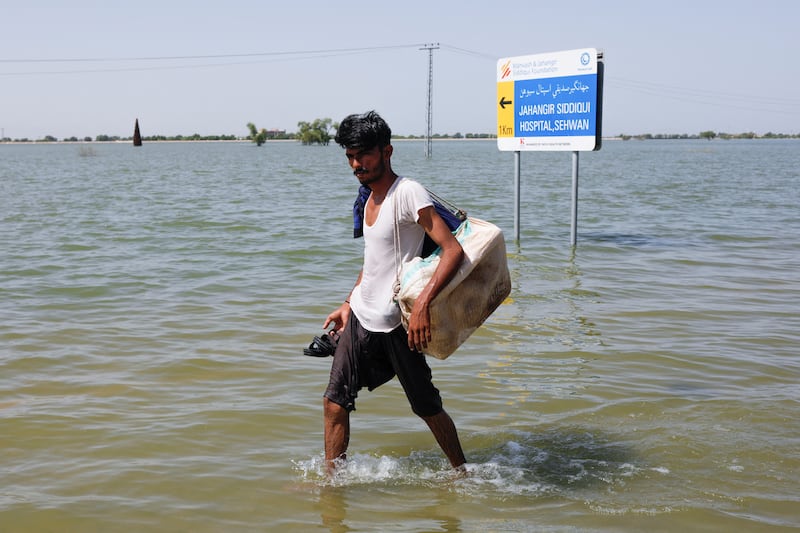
(451, 219)
(358, 211)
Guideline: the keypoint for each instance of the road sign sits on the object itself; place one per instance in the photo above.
(549, 102)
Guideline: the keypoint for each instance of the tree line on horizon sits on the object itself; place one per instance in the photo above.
(275, 135)
(321, 130)
(709, 134)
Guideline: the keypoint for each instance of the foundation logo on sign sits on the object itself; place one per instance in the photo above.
(505, 70)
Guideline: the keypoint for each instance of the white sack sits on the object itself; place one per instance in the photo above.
(479, 286)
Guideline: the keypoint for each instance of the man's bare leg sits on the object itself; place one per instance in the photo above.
(337, 433)
(446, 435)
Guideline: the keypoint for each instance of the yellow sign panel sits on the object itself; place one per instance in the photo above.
(505, 109)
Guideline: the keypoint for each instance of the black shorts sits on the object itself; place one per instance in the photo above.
(367, 359)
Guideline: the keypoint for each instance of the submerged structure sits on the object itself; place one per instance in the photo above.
(137, 137)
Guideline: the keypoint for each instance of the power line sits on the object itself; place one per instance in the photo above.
(197, 60)
(472, 53)
(684, 91)
(174, 67)
(209, 56)
(255, 58)
(741, 102)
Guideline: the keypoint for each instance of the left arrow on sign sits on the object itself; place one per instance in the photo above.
(504, 102)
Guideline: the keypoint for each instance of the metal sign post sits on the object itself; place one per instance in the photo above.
(516, 195)
(550, 102)
(573, 233)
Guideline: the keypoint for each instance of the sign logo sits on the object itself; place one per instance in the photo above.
(505, 70)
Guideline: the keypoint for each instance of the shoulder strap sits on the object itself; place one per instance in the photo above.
(398, 258)
(452, 215)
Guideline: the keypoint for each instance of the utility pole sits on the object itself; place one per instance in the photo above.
(428, 143)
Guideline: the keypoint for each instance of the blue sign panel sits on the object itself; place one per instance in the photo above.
(555, 107)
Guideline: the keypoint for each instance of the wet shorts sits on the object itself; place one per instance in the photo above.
(367, 359)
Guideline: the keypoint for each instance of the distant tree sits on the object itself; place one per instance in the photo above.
(258, 137)
(317, 132)
(707, 135)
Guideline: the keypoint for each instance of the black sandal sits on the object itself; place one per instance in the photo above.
(323, 346)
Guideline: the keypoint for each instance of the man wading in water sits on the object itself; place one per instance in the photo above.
(373, 346)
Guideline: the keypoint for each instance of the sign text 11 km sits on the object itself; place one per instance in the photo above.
(549, 102)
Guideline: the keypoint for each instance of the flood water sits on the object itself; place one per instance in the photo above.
(155, 303)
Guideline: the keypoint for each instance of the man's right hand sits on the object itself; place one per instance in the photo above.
(338, 318)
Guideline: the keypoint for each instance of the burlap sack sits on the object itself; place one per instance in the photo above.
(479, 286)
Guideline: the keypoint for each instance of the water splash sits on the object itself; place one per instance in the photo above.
(511, 464)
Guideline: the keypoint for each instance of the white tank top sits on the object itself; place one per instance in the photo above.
(372, 300)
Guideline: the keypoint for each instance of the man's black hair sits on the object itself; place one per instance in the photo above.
(363, 131)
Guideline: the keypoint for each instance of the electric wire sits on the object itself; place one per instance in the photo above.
(198, 61)
(265, 57)
(208, 56)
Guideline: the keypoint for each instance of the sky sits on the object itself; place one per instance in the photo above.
(91, 67)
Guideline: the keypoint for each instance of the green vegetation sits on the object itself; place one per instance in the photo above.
(194, 137)
(709, 135)
(317, 132)
(258, 137)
